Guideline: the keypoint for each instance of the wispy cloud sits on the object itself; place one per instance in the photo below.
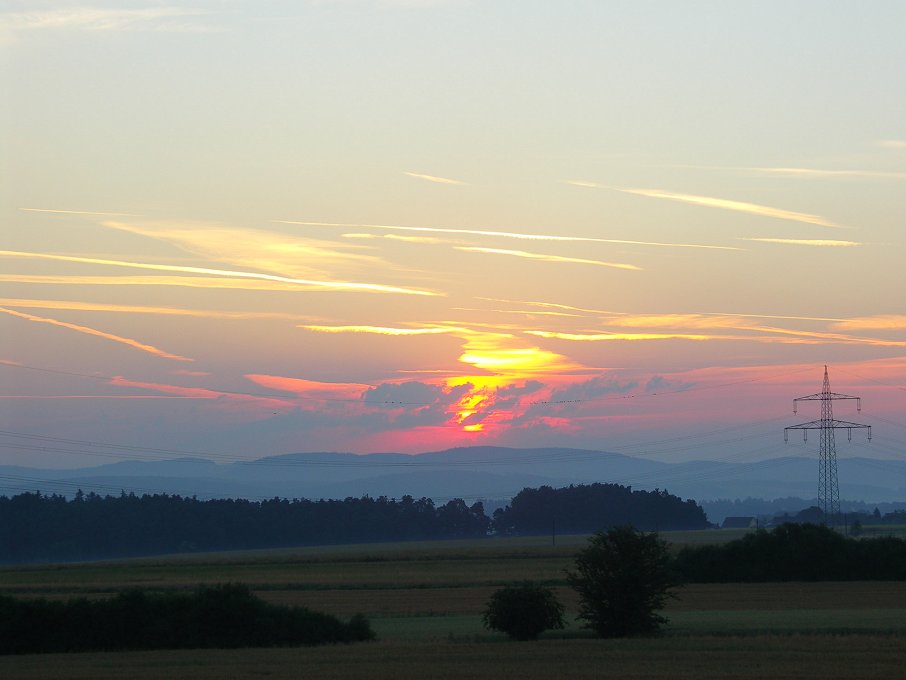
(172, 19)
(721, 203)
(201, 393)
(823, 337)
(881, 322)
(815, 173)
(433, 178)
(157, 280)
(383, 330)
(552, 305)
(508, 234)
(697, 319)
(83, 306)
(798, 172)
(598, 337)
(825, 243)
(745, 333)
(282, 254)
(312, 388)
(529, 312)
(150, 349)
(547, 258)
(892, 143)
(79, 212)
(327, 285)
(430, 240)
(112, 397)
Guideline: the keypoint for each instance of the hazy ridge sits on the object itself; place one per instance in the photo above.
(468, 473)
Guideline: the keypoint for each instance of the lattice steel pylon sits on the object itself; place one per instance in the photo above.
(828, 486)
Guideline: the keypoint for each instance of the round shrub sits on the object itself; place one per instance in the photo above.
(524, 611)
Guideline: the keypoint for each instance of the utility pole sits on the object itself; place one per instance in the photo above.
(828, 487)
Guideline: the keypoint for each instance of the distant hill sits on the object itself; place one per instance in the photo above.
(470, 473)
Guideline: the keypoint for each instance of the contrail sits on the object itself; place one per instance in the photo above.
(100, 334)
(80, 212)
(723, 203)
(332, 285)
(432, 178)
(547, 258)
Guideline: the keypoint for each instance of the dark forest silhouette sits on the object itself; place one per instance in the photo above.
(48, 528)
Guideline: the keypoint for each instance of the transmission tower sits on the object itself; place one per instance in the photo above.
(828, 488)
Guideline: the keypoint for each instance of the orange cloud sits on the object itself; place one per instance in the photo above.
(300, 386)
(495, 352)
(503, 354)
(99, 334)
(881, 322)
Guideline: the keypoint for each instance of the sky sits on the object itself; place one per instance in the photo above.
(241, 229)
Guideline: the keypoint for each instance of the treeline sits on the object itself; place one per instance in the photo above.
(225, 616)
(50, 528)
(791, 509)
(794, 552)
(588, 508)
(41, 528)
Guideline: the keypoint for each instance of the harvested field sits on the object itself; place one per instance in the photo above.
(756, 656)
(425, 602)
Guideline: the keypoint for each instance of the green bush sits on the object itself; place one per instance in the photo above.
(624, 577)
(218, 616)
(524, 611)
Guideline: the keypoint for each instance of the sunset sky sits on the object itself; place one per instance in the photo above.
(244, 229)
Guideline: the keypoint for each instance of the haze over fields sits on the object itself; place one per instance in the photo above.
(238, 230)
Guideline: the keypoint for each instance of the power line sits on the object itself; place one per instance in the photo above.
(874, 380)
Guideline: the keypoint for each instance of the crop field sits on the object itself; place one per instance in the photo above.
(425, 602)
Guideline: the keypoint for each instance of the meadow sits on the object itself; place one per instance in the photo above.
(425, 601)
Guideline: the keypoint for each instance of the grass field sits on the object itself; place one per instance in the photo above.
(425, 601)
